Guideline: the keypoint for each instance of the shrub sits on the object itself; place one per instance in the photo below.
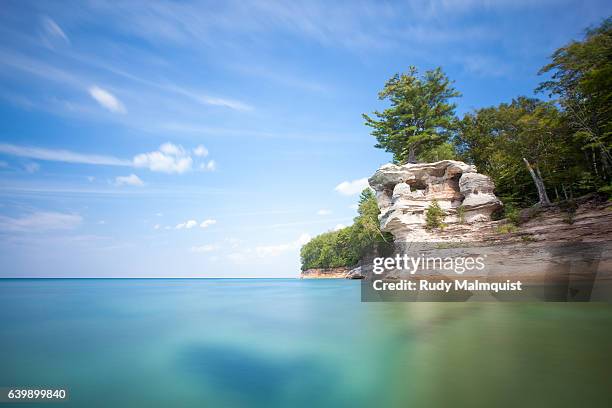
(434, 216)
(569, 207)
(461, 214)
(507, 228)
(512, 214)
(607, 190)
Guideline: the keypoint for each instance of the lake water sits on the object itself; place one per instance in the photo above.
(294, 343)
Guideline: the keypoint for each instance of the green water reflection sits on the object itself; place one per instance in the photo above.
(296, 343)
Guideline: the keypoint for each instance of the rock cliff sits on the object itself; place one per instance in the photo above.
(404, 192)
(341, 272)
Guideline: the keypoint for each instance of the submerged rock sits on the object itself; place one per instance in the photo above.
(404, 192)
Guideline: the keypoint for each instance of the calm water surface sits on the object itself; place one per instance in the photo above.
(292, 343)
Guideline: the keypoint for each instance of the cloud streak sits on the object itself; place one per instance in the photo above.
(106, 99)
(40, 221)
(131, 180)
(61, 155)
(53, 30)
(169, 158)
(207, 223)
(186, 225)
(265, 251)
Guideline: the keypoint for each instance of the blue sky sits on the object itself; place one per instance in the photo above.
(211, 139)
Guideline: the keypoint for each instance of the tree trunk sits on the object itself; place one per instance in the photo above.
(411, 155)
(537, 179)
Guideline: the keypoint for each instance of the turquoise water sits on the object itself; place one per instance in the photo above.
(293, 343)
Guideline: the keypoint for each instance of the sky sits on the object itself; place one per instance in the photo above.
(213, 139)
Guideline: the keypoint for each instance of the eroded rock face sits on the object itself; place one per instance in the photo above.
(404, 192)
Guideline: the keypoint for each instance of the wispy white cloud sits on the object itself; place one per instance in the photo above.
(32, 167)
(193, 223)
(52, 32)
(186, 225)
(204, 248)
(169, 158)
(483, 65)
(106, 99)
(248, 255)
(226, 103)
(339, 227)
(264, 251)
(273, 74)
(207, 223)
(324, 211)
(352, 187)
(40, 221)
(211, 165)
(61, 155)
(200, 151)
(131, 180)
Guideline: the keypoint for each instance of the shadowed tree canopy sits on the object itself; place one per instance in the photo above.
(420, 119)
(499, 139)
(582, 82)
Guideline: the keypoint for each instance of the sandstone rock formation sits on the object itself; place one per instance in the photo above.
(404, 192)
(340, 272)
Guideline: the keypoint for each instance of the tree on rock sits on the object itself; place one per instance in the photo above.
(420, 119)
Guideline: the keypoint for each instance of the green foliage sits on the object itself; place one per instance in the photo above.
(420, 117)
(329, 250)
(345, 247)
(607, 190)
(507, 228)
(569, 207)
(512, 214)
(567, 141)
(461, 214)
(582, 82)
(443, 151)
(434, 216)
(496, 139)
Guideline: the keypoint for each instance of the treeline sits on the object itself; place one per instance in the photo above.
(346, 246)
(536, 151)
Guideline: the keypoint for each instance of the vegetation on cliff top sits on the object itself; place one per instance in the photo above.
(532, 149)
(420, 118)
